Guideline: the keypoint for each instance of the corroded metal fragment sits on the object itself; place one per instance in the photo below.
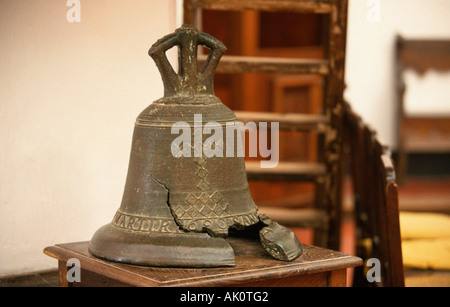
(279, 241)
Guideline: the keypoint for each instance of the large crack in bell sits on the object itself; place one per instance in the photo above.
(279, 241)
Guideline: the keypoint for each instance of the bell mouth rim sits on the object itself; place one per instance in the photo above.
(161, 249)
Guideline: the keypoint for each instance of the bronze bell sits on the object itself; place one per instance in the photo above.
(178, 203)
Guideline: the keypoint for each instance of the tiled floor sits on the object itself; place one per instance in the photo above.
(40, 279)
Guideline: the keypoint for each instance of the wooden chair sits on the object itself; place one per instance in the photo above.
(326, 169)
(376, 203)
(419, 133)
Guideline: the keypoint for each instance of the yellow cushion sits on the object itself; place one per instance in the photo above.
(427, 253)
(425, 240)
(414, 225)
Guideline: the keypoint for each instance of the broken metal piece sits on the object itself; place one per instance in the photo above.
(279, 241)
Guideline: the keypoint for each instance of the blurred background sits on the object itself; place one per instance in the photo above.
(70, 91)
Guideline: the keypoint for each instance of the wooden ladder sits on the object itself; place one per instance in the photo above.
(327, 171)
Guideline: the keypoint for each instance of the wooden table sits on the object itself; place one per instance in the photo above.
(254, 268)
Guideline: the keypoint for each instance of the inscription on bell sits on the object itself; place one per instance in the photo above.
(144, 224)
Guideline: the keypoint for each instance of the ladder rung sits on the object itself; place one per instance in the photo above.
(285, 171)
(288, 121)
(248, 64)
(300, 6)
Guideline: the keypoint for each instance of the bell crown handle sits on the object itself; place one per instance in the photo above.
(189, 81)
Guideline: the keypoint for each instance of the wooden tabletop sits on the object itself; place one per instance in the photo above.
(252, 263)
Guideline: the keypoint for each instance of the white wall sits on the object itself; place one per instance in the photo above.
(433, 88)
(69, 95)
(370, 56)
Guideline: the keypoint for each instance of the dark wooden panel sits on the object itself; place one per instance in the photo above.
(247, 64)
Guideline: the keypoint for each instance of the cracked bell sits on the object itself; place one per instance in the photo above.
(179, 204)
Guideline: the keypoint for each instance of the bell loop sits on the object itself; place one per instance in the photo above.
(189, 81)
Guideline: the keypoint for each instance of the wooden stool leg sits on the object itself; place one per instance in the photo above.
(62, 274)
(337, 278)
